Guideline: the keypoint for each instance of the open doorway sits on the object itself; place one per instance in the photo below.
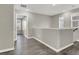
(21, 24)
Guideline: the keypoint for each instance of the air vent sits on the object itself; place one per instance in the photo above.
(24, 6)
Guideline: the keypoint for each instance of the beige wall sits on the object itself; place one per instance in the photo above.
(6, 27)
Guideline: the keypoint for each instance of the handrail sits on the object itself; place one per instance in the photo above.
(75, 29)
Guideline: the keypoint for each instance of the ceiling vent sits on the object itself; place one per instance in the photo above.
(23, 6)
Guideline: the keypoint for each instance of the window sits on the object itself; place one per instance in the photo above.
(61, 22)
(75, 21)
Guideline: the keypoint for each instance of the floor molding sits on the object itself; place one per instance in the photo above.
(26, 36)
(56, 50)
(45, 44)
(5, 50)
(65, 47)
(77, 40)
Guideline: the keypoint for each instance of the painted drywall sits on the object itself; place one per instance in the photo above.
(48, 36)
(38, 21)
(15, 30)
(54, 22)
(6, 27)
(55, 38)
(51, 37)
(65, 37)
(24, 26)
(67, 20)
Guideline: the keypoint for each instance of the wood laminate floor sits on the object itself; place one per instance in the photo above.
(25, 46)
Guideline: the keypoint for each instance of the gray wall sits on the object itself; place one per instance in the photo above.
(67, 17)
(37, 20)
(65, 37)
(15, 30)
(6, 27)
(54, 22)
(74, 36)
(76, 33)
(48, 36)
(53, 37)
(67, 21)
(24, 25)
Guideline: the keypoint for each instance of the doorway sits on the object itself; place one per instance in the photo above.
(21, 22)
(19, 27)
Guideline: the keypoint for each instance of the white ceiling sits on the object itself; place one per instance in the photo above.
(49, 9)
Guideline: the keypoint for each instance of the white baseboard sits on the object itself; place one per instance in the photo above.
(65, 47)
(45, 44)
(26, 36)
(5, 50)
(77, 40)
(56, 50)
